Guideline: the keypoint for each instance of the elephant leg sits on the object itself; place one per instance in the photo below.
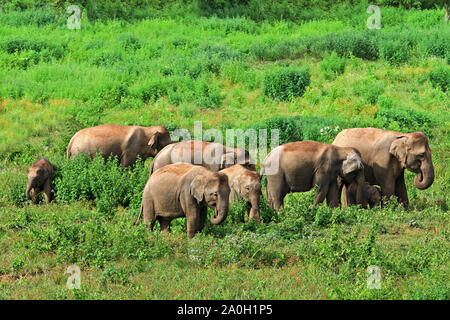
(164, 225)
(202, 218)
(192, 226)
(333, 195)
(35, 195)
(387, 189)
(128, 159)
(345, 199)
(276, 193)
(47, 192)
(321, 180)
(149, 214)
(400, 191)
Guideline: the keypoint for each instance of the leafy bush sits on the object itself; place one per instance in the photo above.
(361, 45)
(207, 95)
(105, 182)
(286, 83)
(440, 77)
(435, 43)
(333, 66)
(274, 49)
(405, 119)
(369, 89)
(394, 51)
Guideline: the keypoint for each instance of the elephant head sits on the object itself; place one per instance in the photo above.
(158, 138)
(234, 156)
(212, 190)
(414, 154)
(248, 186)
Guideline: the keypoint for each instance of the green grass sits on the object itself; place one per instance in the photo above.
(173, 71)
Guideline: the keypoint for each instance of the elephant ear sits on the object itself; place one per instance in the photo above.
(398, 150)
(153, 142)
(197, 188)
(236, 188)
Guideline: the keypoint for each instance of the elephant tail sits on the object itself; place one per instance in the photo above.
(140, 214)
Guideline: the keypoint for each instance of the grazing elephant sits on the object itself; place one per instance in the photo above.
(211, 155)
(125, 142)
(184, 190)
(386, 155)
(245, 184)
(299, 166)
(40, 175)
(371, 195)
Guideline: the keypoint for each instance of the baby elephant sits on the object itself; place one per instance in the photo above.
(184, 190)
(371, 195)
(245, 184)
(40, 176)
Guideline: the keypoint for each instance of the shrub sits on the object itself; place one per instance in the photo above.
(361, 45)
(206, 95)
(130, 41)
(440, 77)
(105, 182)
(394, 51)
(286, 83)
(274, 49)
(370, 90)
(333, 66)
(435, 44)
(405, 119)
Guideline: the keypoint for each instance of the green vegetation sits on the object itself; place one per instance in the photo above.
(309, 71)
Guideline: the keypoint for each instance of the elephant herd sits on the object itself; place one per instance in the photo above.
(188, 177)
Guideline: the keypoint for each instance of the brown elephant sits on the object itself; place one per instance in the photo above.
(125, 142)
(386, 155)
(245, 184)
(299, 166)
(211, 155)
(184, 190)
(371, 195)
(40, 175)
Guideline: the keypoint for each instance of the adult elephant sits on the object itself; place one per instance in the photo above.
(125, 142)
(299, 166)
(211, 155)
(386, 155)
(184, 190)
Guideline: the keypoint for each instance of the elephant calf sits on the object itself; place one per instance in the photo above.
(125, 142)
(371, 195)
(40, 175)
(299, 166)
(245, 184)
(184, 190)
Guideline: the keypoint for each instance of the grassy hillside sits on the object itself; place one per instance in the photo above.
(227, 73)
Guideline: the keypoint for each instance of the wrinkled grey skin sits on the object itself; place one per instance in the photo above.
(245, 184)
(302, 165)
(184, 190)
(125, 142)
(386, 155)
(40, 176)
(213, 156)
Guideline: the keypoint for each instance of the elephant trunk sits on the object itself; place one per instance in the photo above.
(361, 197)
(254, 211)
(27, 192)
(221, 212)
(425, 177)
